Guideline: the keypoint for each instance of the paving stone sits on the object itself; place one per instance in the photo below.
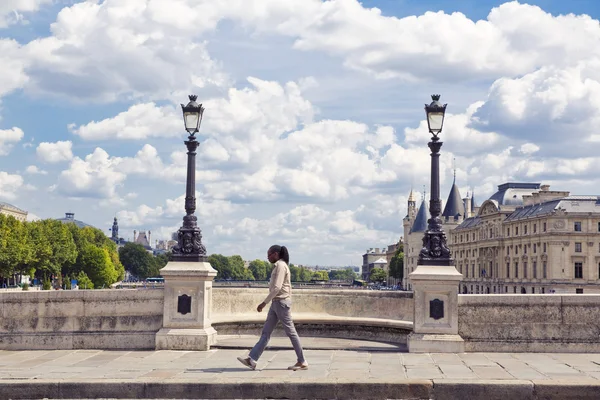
(443, 358)
(476, 359)
(417, 359)
(453, 371)
(423, 372)
(491, 372)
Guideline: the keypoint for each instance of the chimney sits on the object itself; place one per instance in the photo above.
(467, 204)
(134, 235)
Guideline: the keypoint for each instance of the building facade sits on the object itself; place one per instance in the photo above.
(373, 258)
(415, 224)
(12, 211)
(528, 239)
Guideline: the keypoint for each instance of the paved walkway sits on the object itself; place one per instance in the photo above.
(332, 374)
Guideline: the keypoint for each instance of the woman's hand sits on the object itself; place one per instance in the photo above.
(260, 307)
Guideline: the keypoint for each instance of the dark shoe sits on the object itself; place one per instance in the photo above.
(248, 362)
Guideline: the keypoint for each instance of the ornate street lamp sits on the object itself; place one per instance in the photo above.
(189, 245)
(435, 250)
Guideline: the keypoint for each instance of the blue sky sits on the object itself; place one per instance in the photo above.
(314, 131)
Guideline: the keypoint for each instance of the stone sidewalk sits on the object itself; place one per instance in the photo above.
(340, 374)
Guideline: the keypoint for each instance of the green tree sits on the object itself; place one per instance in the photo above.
(346, 274)
(305, 275)
(221, 264)
(258, 269)
(321, 275)
(63, 250)
(13, 245)
(138, 261)
(377, 275)
(83, 281)
(98, 266)
(397, 264)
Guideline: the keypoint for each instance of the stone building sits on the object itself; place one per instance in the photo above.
(528, 239)
(10, 210)
(373, 258)
(415, 224)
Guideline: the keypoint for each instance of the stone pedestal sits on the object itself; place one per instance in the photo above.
(187, 309)
(436, 310)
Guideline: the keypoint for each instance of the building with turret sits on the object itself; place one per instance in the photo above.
(527, 238)
(415, 224)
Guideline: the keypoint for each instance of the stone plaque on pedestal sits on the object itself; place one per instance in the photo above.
(436, 310)
(188, 303)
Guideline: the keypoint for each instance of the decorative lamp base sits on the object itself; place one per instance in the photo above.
(186, 339)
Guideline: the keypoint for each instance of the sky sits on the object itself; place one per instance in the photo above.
(314, 131)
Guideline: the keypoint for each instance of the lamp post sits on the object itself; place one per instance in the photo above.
(189, 245)
(435, 250)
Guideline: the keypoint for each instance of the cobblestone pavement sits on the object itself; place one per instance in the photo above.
(221, 364)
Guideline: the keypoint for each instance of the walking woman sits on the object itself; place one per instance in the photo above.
(280, 296)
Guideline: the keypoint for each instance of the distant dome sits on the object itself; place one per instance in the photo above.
(511, 194)
(70, 219)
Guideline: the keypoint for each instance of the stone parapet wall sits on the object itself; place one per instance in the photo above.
(530, 323)
(336, 302)
(80, 319)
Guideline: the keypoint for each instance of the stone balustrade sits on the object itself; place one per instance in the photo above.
(129, 319)
(568, 323)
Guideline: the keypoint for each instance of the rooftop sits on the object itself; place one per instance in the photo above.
(70, 219)
(7, 205)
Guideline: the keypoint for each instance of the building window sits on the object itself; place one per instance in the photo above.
(544, 270)
(525, 230)
(578, 291)
(544, 247)
(491, 233)
(507, 250)
(577, 247)
(524, 269)
(577, 226)
(508, 230)
(514, 289)
(532, 290)
(517, 269)
(534, 228)
(516, 231)
(508, 270)
(534, 265)
(516, 249)
(534, 248)
(473, 270)
(598, 270)
(598, 226)
(578, 270)
(544, 227)
(543, 290)
(461, 238)
(525, 249)
(473, 235)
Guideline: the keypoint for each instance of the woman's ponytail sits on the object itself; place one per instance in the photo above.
(284, 255)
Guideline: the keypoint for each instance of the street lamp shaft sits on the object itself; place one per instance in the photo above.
(190, 184)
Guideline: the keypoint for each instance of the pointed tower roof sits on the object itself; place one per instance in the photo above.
(473, 203)
(454, 204)
(420, 224)
(411, 196)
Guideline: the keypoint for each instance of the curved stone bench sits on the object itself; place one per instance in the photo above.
(320, 325)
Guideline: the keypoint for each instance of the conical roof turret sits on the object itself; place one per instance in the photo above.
(420, 224)
(454, 204)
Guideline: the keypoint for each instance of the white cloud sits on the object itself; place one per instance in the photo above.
(104, 51)
(55, 152)
(32, 217)
(96, 176)
(34, 170)
(10, 184)
(8, 137)
(515, 39)
(529, 148)
(545, 104)
(11, 10)
(140, 121)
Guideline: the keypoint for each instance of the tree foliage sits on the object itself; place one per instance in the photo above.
(48, 248)
(346, 274)
(397, 264)
(377, 275)
(139, 262)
